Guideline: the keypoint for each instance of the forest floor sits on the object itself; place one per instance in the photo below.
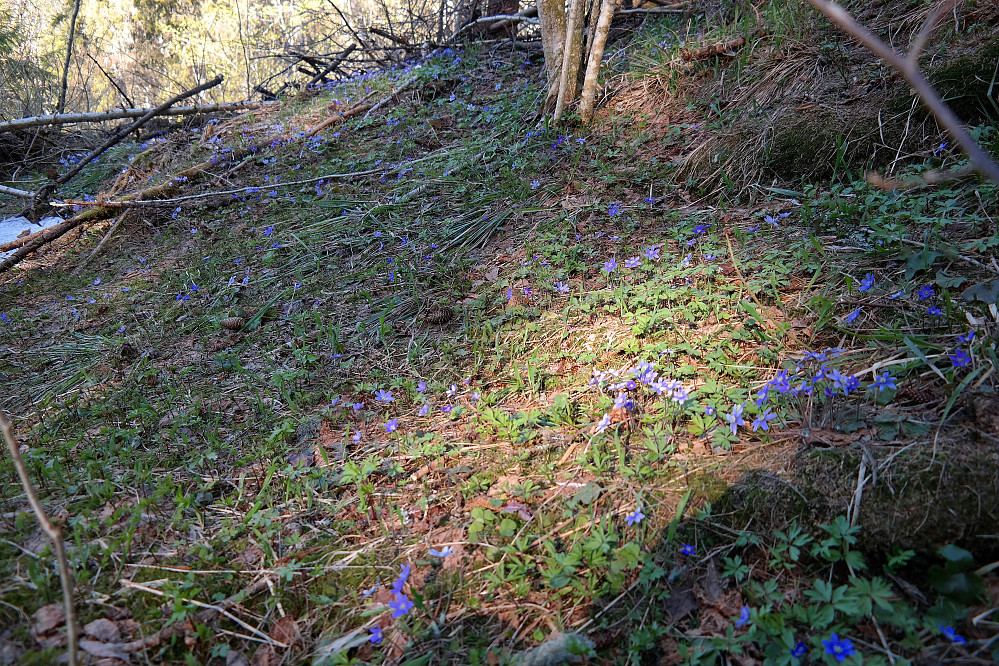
(441, 385)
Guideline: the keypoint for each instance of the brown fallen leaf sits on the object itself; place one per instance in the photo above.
(286, 631)
(103, 630)
(104, 650)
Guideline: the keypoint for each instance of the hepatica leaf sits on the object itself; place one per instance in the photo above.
(987, 292)
(920, 261)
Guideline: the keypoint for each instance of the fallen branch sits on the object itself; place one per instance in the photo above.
(333, 65)
(102, 212)
(526, 16)
(120, 114)
(668, 9)
(46, 190)
(405, 84)
(352, 111)
(24, 194)
(54, 534)
(908, 68)
(727, 47)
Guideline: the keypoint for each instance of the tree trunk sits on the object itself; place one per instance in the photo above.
(572, 57)
(551, 13)
(596, 57)
(61, 106)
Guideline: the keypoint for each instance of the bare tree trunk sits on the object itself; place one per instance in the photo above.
(61, 106)
(551, 13)
(572, 55)
(596, 57)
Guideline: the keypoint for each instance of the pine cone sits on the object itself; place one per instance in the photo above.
(438, 314)
(233, 323)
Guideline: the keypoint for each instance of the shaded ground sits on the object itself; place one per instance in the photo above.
(510, 359)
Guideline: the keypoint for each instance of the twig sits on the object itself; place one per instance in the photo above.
(353, 111)
(200, 618)
(54, 534)
(910, 72)
(526, 16)
(43, 193)
(121, 92)
(119, 114)
(100, 246)
(669, 9)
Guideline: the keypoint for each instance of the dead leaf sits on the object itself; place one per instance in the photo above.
(250, 556)
(681, 603)
(102, 630)
(236, 659)
(286, 631)
(48, 618)
(106, 650)
(265, 656)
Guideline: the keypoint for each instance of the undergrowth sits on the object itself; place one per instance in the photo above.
(455, 385)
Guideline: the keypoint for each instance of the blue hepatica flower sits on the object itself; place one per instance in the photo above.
(743, 618)
(967, 337)
(735, 418)
(535, 184)
(799, 651)
(952, 636)
(392, 426)
(447, 551)
(447, 409)
(561, 287)
(602, 424)
(452, 390)
(959, 358)
(852, 317)
(634, 517)
(614, 209)
(935, 311)
(688, 549)
(401, 606)
(761, 420)
(610, 265)
(925, 292)
(867, 282)
(884, 382)
(425, 409)
(651, 253)
(632, 262)
(839, 648)
(383, 395)
(376, 634)
(357, 406)
(421, 386)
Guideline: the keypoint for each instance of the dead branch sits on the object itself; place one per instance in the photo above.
(501, 20)
(727, 47)
(401, 41)
(333, 65)
(46, 190)
(102, 212)
(13, 191)
(907, 67)
(401, 87)
(665, 9)
(329, 122)
(54, 534)
(121, 91)
(119, 114)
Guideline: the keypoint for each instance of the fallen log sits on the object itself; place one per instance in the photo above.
(24, 194)
(120, 114)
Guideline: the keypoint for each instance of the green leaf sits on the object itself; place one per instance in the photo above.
(957, 555)
(946, 281)
(586, 495)
(920, 261)
(507, 527)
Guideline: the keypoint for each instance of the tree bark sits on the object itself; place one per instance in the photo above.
(572, 55)
(551, 13)
(596, 57)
